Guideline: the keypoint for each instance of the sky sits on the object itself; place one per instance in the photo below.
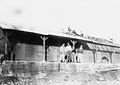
(100, 18)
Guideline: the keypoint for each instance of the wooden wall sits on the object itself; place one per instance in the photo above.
(100, 55)
(28, 52)
(19, 51)
(115, 58)
(2, 48)
(53, 54)
(34, 52)
(88, 56)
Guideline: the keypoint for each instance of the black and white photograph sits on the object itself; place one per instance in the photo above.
(59, 42)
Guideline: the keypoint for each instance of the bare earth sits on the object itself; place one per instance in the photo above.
(82, 78)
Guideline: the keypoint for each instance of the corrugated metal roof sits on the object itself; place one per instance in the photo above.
(21, 28)
(103, 48)
(31, 29)
(90, 46)
(65, 35)
(100, 47)
(110, 44)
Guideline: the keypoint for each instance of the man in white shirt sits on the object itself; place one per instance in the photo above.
(68, 47)
(68, 52)
(62, 53)
(80, 54)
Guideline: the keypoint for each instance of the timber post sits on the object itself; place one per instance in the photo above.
(110, 57)
(96, 57)
(6, 43)
(44, 40)
(73, 42)
(94, 53)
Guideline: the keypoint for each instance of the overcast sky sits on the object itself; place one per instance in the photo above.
(93, 17)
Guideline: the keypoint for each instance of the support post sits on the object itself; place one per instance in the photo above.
(94, 56)
(44, 39)
(6, 43)
(111, 57)
(73, 42)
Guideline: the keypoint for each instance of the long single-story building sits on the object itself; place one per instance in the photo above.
(31, 46)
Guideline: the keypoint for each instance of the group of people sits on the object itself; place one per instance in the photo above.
(70, 54)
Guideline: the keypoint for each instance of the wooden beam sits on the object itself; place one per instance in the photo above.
(94, 56)
(44, 41)
(73, 42)
(111, 57)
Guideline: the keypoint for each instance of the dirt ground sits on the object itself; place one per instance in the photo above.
(82, 78)
(64, 78)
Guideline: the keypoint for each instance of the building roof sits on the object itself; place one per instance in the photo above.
(61, 34)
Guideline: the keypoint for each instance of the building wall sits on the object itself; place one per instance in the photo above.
(53, 54)
(28, 52)
(1, 33)
(115, 58)
(88, 56)
(100, 55)
(19, 51)
(2, 45)
(28, 69)
(34, 52)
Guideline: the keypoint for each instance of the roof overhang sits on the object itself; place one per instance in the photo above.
(31, 29)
